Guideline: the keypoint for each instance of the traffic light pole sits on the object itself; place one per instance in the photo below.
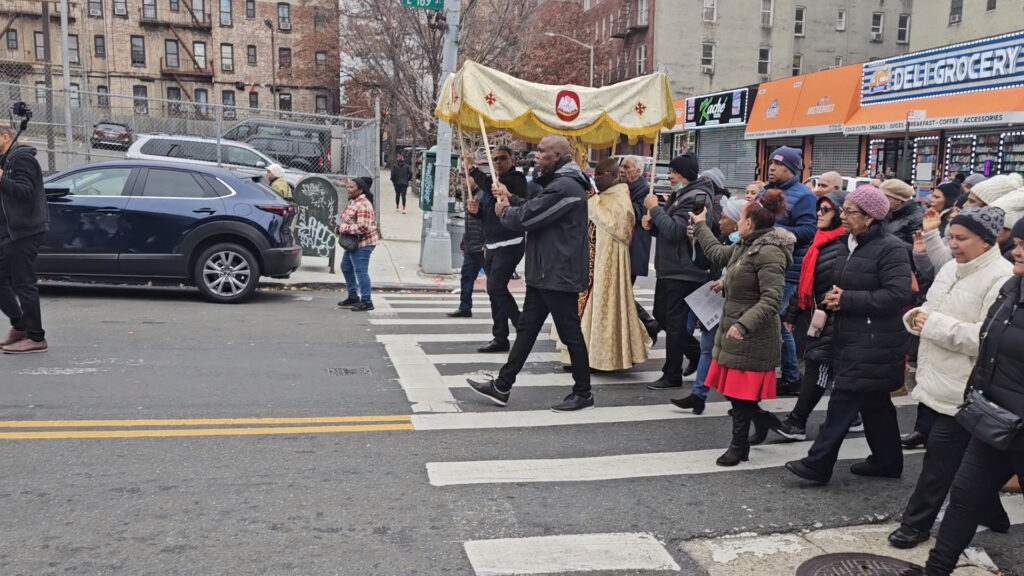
(437, 247)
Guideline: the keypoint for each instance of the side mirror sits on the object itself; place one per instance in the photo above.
(261, 164)
(57, 192)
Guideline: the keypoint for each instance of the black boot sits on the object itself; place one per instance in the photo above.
(739, 448)
(692, 401)
(763, 422)
(650, 324)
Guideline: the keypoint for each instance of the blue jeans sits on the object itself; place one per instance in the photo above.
(472, 262)
(790, 368)
(707, 344)
(356, 265)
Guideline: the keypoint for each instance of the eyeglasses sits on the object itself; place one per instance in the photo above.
(825, 210)
(501, 158)
(846, 212)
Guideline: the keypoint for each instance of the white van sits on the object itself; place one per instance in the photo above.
(241, 159)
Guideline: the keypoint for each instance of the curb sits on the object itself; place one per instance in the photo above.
(341, 286)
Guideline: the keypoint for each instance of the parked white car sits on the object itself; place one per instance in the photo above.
(241, 159)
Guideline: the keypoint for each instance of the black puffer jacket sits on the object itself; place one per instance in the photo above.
(557, 246)
(999, 370)
(23, 210)
(868, 339)
(494, 232)
(473, 239)
(675, 255)
(640, 245)
(906, 220)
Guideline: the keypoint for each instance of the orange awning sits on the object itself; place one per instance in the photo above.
(984, 108)
(680, 106)
(816, 103)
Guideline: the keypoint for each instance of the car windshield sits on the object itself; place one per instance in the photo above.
(112, 127)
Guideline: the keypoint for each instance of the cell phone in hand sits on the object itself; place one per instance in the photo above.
(698, 204)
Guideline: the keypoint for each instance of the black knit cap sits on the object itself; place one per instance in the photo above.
(1018, 229)
(365, 183)
(686, 166)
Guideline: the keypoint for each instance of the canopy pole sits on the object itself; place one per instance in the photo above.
(654, 163)
(465, 168)
(614, 144)
(487, 149)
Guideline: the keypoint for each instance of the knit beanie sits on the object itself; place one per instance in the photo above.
(1013, 206)
(1018, 229)
(365, 183)
(897, 190)
(732, 208)
(716, 177)
(951, 190)
(871, 200)
(685, 165)
(997, 186)
(790, 158)
(984, 221)
(974, 179)
(961, 200)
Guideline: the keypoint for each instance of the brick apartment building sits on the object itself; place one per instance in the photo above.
(202, 51)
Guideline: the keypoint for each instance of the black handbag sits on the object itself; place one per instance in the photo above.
(988, 421)
(348, 242)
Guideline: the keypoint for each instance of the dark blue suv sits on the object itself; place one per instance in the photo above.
(168, 222)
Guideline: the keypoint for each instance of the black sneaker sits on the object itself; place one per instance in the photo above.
(858, 425)
(662, 384)
(790, 429)
(348, 302)
(362, 307)
(572, 402)
(788, 388)
(485, 387)
(460, 314)
(691, 368)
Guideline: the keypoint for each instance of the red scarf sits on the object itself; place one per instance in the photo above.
(805, 290)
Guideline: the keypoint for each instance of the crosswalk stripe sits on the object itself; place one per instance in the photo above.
(569, 553)
(601, 415)
(432, 321)
(420, 379)
(623, 465)
(564, 379)
(479, 299)
(481, 358)
(429, 338)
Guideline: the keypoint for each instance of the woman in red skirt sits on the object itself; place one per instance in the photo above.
(748, 347)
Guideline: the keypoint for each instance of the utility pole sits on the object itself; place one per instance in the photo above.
(437, 247)
(273, 64)
(51, 156)
(64, 57)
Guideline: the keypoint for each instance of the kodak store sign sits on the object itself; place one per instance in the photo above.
(987, 64)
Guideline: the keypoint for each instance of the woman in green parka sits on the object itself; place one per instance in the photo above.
(748, 347)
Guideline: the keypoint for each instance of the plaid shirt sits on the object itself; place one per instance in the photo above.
(358, 219)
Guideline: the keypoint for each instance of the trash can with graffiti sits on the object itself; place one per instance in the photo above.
(317, 199)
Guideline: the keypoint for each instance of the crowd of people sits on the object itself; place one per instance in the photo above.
(889, 288)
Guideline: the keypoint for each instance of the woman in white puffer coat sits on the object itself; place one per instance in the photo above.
(949, 324)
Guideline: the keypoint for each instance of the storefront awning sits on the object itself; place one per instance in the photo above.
(817, 103)
(968, 110)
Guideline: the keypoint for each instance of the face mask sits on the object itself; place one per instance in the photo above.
(677, 187)
(734, 237)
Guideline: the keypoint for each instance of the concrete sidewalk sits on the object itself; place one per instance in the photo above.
(394, 264)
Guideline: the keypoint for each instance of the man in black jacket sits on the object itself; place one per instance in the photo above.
(24, 220)
(504, 248)
(557, 262)
(632, 173)
(401, 175)
(472, 256)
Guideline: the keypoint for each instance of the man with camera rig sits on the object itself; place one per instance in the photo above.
(24, 220)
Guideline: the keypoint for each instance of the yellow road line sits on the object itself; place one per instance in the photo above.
(181, 432)
(199, 422)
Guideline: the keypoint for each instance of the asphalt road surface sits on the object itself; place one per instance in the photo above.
(165, 435)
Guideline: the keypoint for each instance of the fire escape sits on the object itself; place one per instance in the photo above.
(629, 25)
(188, 17)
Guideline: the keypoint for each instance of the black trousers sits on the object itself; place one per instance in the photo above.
(472, 262)
(812, 387)
(19, 289)
(499, 264)
(881, 430)
(925, 420)
(671, 310)
(400, 195)
(536, 307)
(945, 449)
(982, 473)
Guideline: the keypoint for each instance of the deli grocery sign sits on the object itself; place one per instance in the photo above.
(715, 110)
(987, 64)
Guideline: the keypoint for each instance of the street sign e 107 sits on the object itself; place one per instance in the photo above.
(425, 4)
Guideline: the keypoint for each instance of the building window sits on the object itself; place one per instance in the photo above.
(141, 96)
(710, 10)
(956, 11)
(95, 7)
(641, 13)
(990, 5)
(250, 54)
(798, 21)
(877, 20)
(227, 98)
(138, 51)
(285, 102)
(75, 96)
(319, 22)
(99, 46)
(838, 61)
(250, 9)
(40, 92)
(149, 9)
(321, 104)
(284, 16)
(641, 60)
(798, 63)
(321, 60)
(767, 13)
(707, 56)
(841, 21)
(199, 53)
(40, 52)
(764, 61)
(254, 99)
(225, 12)
(903, 29)
(202, 101)
(171, 53)
(120, 7)
(227, 57)
(174, 94)
(102, 96)
(174, 5)
(73, 55)
(284, 58)
(12, 39)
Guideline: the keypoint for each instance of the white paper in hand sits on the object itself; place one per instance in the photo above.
(707, 305)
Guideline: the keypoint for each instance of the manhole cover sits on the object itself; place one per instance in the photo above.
(347, 371)
(853, 564)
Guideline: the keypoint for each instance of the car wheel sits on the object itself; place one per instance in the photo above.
(227, 273)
